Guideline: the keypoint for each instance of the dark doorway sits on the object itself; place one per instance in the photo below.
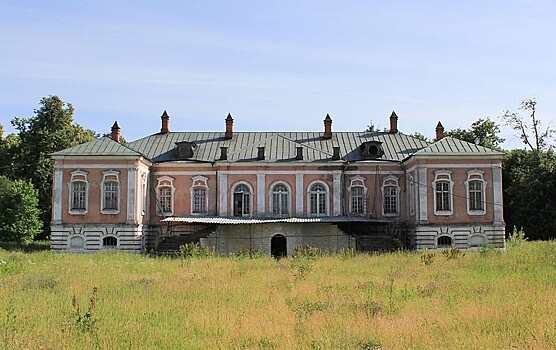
(278, 246)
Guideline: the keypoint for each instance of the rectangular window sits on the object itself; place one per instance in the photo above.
(476, 195)
(165, 198)
(199, 200)
(443, 196)
(78, 195)
(390, 200)
(357, 200)
(110, 195)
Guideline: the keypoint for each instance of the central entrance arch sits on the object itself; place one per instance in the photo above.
(278, 246)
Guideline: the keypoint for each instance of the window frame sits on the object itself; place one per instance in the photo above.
(165, 182)
(357, 181)
(438, 245)
(443, 176)
(104, 246)
(475, 176)
(110, 176)
(249, 201)
(287, 194)
(80, 176)
(390, 182)
(199, 183)
(325, 193)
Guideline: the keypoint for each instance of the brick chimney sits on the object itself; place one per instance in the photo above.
(439, 131)
(393, 123)
(165, 123)
(327, 128)
(229, 126)
(116, 132)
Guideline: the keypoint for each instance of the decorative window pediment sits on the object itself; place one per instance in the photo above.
(78, 192)
(358, 195)
(165, 191)
(199, 191)
(476, 189)
(443, 192)
(390, 196)
(110, 188)
(318, 199)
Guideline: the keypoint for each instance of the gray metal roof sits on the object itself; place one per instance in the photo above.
(241, 220)
(279, 146)
(452, 146)
(103, 146)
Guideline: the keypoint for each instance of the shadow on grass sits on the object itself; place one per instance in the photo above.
(35, 246)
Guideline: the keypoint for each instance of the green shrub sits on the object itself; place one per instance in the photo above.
(195, 250)
(306, 251)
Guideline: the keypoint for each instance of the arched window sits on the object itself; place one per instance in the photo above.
(476, 186)
(390, 196)
(242, 200)
(280, 200)
(76, 243)
(165, 196)
(79, 192)
(357, 195)
(443, 185)
(444, 241)
(110, 192)
(110, 242)
(199, 195)
(318, 200)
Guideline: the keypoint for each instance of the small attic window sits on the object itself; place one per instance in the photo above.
(371, 149)
(185, 150)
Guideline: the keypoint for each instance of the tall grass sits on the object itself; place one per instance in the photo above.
(485, 300)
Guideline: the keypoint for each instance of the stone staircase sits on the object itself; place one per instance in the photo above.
(171, 245)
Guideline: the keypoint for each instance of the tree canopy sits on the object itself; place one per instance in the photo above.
(483, 132)
(19, 212)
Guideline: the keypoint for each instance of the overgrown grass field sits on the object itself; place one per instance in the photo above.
(405, 300)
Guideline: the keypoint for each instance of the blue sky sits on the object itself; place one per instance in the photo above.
(277, 65)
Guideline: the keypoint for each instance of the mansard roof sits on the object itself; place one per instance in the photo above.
(451, 146)
(103, 146)
(279, 146)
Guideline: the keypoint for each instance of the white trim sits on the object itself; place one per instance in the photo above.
(101, 243)
(299, 194)
(112, 175)
(251, 194)
(443, 175)
(81, 176)
(391, 181)
(370, 172)
(422, 189)
(199, 182)
(357, 181)
(271, 198)
(411, 194)
(57, 196)
(131, 194)
(260, 194)
(497, 194)
(69, 247)
(165, 181)
(125, 166)
(452, 166)
(475, 175)
(273, 172)
(223, 189)
(337, 189)
(327, 198)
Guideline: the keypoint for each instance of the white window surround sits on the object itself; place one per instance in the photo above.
(109, 246)
(251, 194)
(476, 175)
(165, 182)
(357, 181)
(443, 238)
(78, 176)
(271, 198)
(73, 240)
(443, 176)
(144, 192)
(327, 198)
(411, 186)
(199, 182)
(390, 181)
(108, 176)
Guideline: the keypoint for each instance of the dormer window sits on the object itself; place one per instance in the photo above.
(371, 149)
(185, 150)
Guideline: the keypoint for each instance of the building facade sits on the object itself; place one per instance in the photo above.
(275, 191)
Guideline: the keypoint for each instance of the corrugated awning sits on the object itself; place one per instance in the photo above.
(252, 220)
